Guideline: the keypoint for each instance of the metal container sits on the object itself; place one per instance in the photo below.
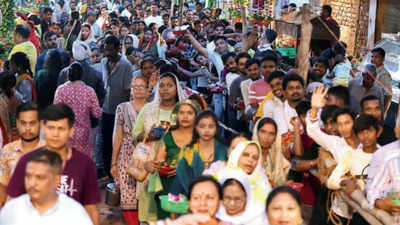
(112, 194)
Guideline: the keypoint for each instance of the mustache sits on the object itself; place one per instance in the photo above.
(29, 139)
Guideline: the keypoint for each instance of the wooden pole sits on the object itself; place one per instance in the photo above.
(180, 12)
(303, 54)
(171, 13)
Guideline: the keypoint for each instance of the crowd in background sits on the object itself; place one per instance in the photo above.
(135, 92)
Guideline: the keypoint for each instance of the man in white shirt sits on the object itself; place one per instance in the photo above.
(293, 89)
(154, 17)
(42, 205)
(275, 81)
(128, 11)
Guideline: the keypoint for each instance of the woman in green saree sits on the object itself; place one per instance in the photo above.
(180, 134)
(203, 150)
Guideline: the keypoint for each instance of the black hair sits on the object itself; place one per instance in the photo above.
(47, 35)
(47, 10)
(75, 71)
(322, 60)
(380, 51)
(328, 8)
(234, 136)
(290, 78)
(22, 61)
(233, 181)
(54, 62)
(75, 15)
(328, 112)
(267, 120)
(303, 107)
(219, 37)
(203, 179)
(238, 26)
(27, 106)
(369, 98)
(270, 57)
(203, 114)
(292, 5)
(341, 93)
(7, 83)
(166, 16)
(251, 62)
(53, 159)
(364, 122)
(343, 111)
(276, 74)
(22, 30)
(58, 112)
(146, 60)
(282, 189)
(227, 55)
(112, 40)
(242, 55)
(130, 50)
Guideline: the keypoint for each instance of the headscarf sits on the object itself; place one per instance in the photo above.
(254, 213)
(174, 115)
(280, 169)
(152, 109)
(258, 179)
(90, 39)
(80, 50)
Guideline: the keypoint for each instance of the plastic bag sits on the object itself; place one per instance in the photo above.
(155, 184)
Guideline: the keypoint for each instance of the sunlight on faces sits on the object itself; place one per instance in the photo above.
(276, 86)
(242, 64)
(284, 210)
(267, 67)
(85, 32)
(294, 91)
(373, 108)
(368, 137)
(231, 65)
(206, 128)
(139, 88)
(204, 199)
(234, 199)
(253, 71)
(345, 125)
(186, 116)
(28, 125)
(266, 135)
(249, 159)
(167, 89)
(40, 180)
(56, 133)
(234, 143)
(220, 45)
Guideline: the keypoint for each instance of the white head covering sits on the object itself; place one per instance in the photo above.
(91, 37)
(258, 179)
(254, 213)
(80, 50)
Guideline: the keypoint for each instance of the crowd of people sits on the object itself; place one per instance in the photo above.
(186, 104)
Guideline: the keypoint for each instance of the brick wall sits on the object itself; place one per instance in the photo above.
(352, 16)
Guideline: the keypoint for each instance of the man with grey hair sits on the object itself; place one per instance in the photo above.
(364, 86)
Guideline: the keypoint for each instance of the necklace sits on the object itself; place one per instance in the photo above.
(207, 160)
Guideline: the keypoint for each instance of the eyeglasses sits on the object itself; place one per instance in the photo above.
(236, 200)
(139, 87)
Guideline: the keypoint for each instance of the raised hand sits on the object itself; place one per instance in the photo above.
(318, 98)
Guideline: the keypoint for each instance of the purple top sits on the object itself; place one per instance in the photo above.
(78, 180)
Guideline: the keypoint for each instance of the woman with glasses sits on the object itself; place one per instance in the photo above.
(237, 204)
(123, 147)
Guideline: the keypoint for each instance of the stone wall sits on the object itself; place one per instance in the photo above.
(352, 16)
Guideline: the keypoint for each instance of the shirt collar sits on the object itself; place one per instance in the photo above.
(49, 212)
